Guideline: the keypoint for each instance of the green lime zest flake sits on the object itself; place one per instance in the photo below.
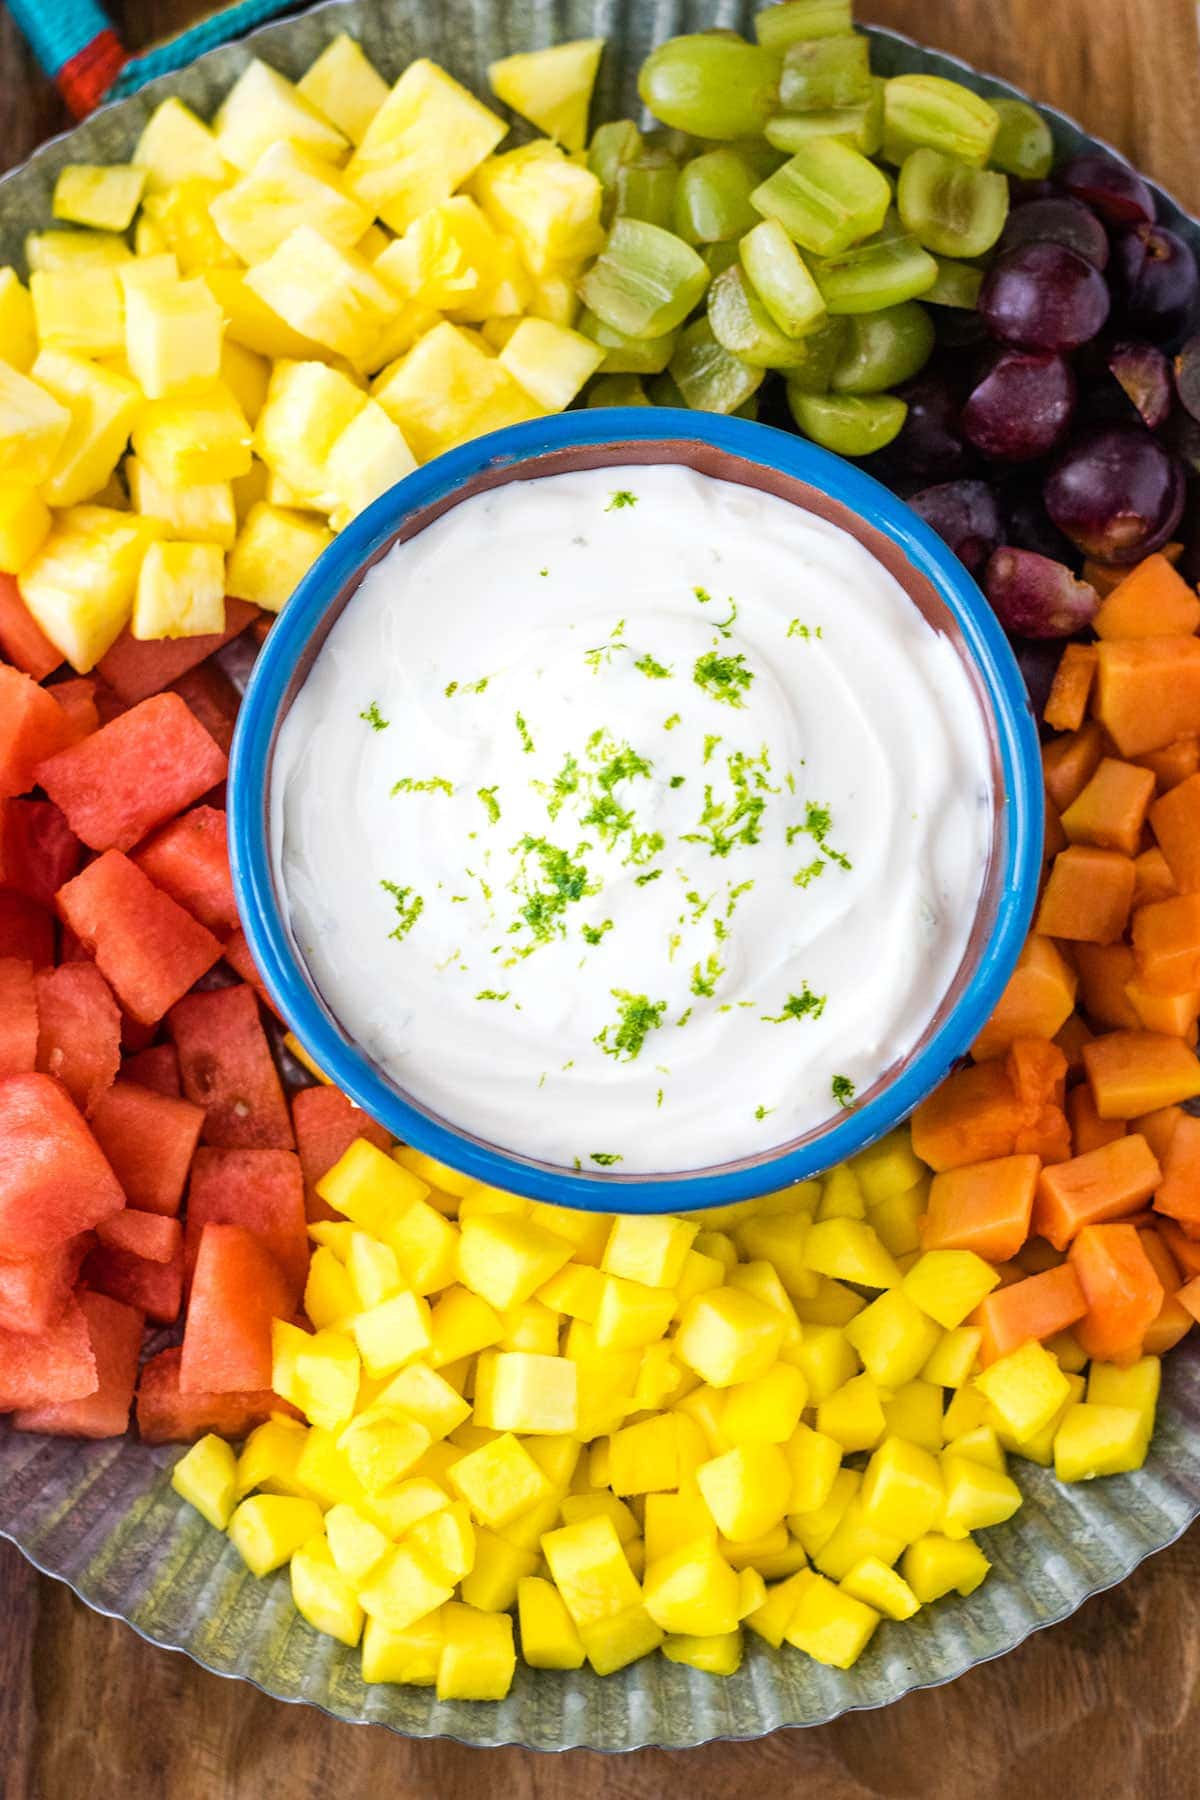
(762, 1112)
(706, 975)
(433, 784)
(465, 687)
(592, 934)
(649, 666)
(620, 499)
(374, 718)
(659, 1101)
(672, 722)
(491, 994)
(409, 907)
(648, 877)
(804, 1005)
(842, 1089)
(797, 630)
(724, 824)
(490, 803)
(723, 678)
(601, 655)
(450, 689)
(637, 1017)
(606, 1158)
(566, 881)
(543, 571)
(685, 1015)
(711, 740)
(803, 877)
(677, 781)
(818, 823)
(523, 734)
(735, 895)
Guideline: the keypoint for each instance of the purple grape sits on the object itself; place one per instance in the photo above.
(1155, 279)
(1059, 220)
(1187, 376)
(1028, 526)
(929, 445)
(1111, 188)
(1044, 297)
(966, 515)
(1145, 376)
(1023, 188)
(1022, 408)
(1036, 597)
(1038, 660)
(1116, 493)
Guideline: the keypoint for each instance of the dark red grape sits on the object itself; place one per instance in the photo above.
(966, 515)
(1044, 297)
(1155, 279)
(1022, 408)
(1109, 187)
(1023, 188)
(929, 445)
(1036, 597)
(1059, 220)
(1187, 376)
(1028, 526)
(1145, 375)
(1038, 660)
(1116, 493)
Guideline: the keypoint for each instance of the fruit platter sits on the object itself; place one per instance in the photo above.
(279, 1387)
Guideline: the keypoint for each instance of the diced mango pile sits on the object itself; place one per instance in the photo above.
(640, 1432)
(255, 328)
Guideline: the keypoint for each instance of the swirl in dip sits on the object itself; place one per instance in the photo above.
(633, 819)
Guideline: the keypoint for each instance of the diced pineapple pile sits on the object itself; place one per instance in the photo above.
(640, 1432)
(255, 328)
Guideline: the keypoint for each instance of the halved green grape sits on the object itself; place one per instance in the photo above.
(882, 349)
(711, 378)
(792, 21)
(679, 144)
(957, 285)
(712, 200)
(826, 72)
(747, 410)
(780, 278)
(645, 281)
(719, 257)
(887, 269)
(929, 111)
(617, 390)
(822, 348)
(849, 425)
(859, 126)
(713, 85)
(1023, 145)
(826, 197)
(761, 157)
(645, 188)
(618, 142)
(741, 323)
(950, 208)
(625, 355)
(664, 390)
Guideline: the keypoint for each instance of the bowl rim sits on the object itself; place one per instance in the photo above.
(440, 482)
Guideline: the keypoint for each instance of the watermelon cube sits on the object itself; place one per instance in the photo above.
(263, 1192)
(189, 859)
(166, 1415)
(26, 929)
(149, 1138)
(77, 698)
(237, 955)
(237, 1290)
(135, 668)
(37, 1367)
(115, 1334)
(33, 727)
(18, 1017)
(225, 1065)
(149, 1235)
(38, 849)
(79, 1030)
(145, 945)
(54, 1180)
(153, 1288)
(133, 774)
(34, 1290)
(21, 637)
(212, 697)
(156, 1068)
(326, 1123)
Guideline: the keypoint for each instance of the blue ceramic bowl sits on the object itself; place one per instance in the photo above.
(735, 450)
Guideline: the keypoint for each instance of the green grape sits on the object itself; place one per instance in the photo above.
(719, 257)
(646, 188)
(679, 144)
(624, 355)
(957, 285)
(882, 349)
(859, 126)
(822, 349)
(645, 281)
(1024, 145)
(708, 376)
(712, 201)
(882, 272)
(781, 280)
(826, 73)
(613, 144)
(617, 390)
(712, 85)
(793, 21)
(927, 111)
(826, 197)
(850, 425)
(950, 208)
(664, 391)
(747, 410)
(741, 323)
(759, 156)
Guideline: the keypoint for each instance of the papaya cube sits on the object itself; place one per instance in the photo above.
(827, 1623)
(590, 1569)
(402, 1588)
(1098, 1439)
(172, 338)
(976, 1495)
(888, 1167)
(206, 1476)
(631, 1315)
(1025, 1388)
(344, 86)
(766, 1410)
(872, 1582)
(954, 1358)
(410, 1655)
(268, 1458)
(850, 1250)
(893, 1337)
(693, 1589)
(268, 1529)
(499, 1481)
(461, 1323)
(902, 1492)
(421, 143)
(747, 1490)
(937, 1565)
(914, 1412)
(202, 437)
(519, 1391)
(853, 1416)
(648, 1249)
(24, 525)
(780, 1239)
(263, 107)
(949, 1284)
(1136, 1386)
(1136, 1072)
(548, 203)
(729, 1336)
(505, 1259)
(825, 1359)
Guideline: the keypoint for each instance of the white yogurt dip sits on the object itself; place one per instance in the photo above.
(633, 819)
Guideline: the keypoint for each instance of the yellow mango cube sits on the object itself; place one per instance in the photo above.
(747, 1490)
(421, 144)
(197, 514)
(552, 88)
(671, 1521)
(329, 1298)
(427, 1397)
(1067, 1352)
(345, 86)
(80, 311)
(325, 293)
(323, 1473)
(893, 1337)
(321, 1373)
(499, 1481)
(176, 146)
(24, 525)
(872, 1582)
(902, 1491)
(888, 1167)
(322, 1595)
(355, 1544)
(522, 1391)
(410, 1656)
(1137, 1386)
(591, 1571)
(262, 108)
(1098, 1439)
(370, 1187)
(498, 1570)
(586, 1232)
(648, 1249)
(268, 1529)
(779, 1240)
(832, 1303)
(981, 1445)
(180, 591)
(18, 339)
(693, 1590)
(88, 194)
(557, 1455)
(395, 1332)
(549, 1639)
(575, 1291)
(699, 1274)
(401, 1589)
(599, 1503)
(434, 1173)
(949, 1284)
(425, 1244)
(461, 1323)
(967, 1409)
(1025, 1389)
(448, 389)
(766, 1410)
(80, 585)
(829, 1624)
(644, 1458)
(204, 438)
(850, 1250)
(953, 1359)
(841, 1195)
(546, 202)
(382, 1446)
(275, 549)
(614, 1642)
(976, 1496)
(813, 1462)
(914, 1411)
(397, 1509)
(372, 1270)
(445, 1539)
(631, 1315)
(505, 1259)
(288, 186)
(937, 1565)
(729, 1336)
(478, 1655)
(269, 1458)
(853, 1416)
(770, 1620)
(206, 1476)
(853, 1538)
(896, 1222)
(825, 1359)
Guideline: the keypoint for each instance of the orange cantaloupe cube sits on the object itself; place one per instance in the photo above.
(1068, 763)
(1111, 809)
(1087, 896)
(1147, 691)
(984, 1207)
(1153, 600)
(1134, 1072)
(1036, 1002)
(1067, 703)
(1111, 1182)
(1175, 822)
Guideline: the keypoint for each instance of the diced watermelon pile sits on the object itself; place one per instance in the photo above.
(152, 1173)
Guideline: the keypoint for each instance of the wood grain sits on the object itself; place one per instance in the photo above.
(1104, 1707)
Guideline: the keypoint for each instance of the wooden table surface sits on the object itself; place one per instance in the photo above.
(1105, 1707)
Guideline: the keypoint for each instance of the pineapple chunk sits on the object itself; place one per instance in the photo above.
(80, 585)
(79, 311)
(107, 198)
(247, 376)
(308, 406)
(72, 250)
(197, 513)
(148, 240)
(202, 437)
(33, 425)
(288, 186)
(328, 294)
(367, 458)
(18, 339)
(103, 407)
(550, 362)
(173, 332)
(551, 88)
(180, 591)
(554, 298)
(273, 550)
(549, 204)
(148, 271)
(448, 389)
(24, 525)
(248, 490)
(424, 141)
(412, 322)
(183, 217)
(175, 146)
(447, 258)
(251, 323)
(262, 107)
(345, 86)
